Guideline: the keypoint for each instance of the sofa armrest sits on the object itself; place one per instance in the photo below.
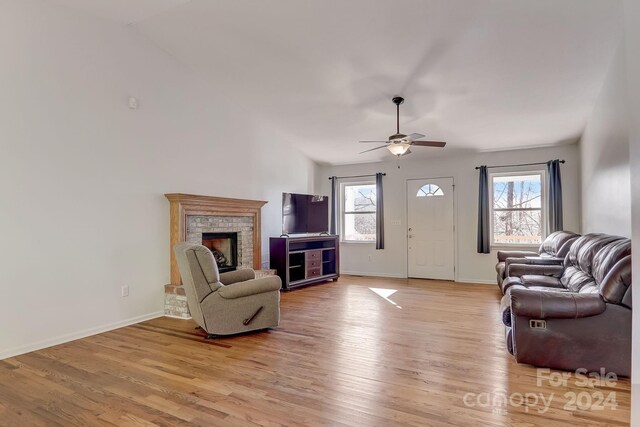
(534, 261)
(510, 281)
(503, 255)
(519, 270)
(555, 305)
(251, 287)
(236, 276)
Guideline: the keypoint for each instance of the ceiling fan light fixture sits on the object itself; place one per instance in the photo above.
(398, 143)
(399, 149)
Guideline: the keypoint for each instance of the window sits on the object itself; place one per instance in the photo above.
(358, 212)
(430, 190)
(517, 208)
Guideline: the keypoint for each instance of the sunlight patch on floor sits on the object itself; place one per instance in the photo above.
(385, 294)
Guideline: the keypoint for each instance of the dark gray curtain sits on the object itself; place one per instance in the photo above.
(334, 205)
(555, 196)
(484, 246)
(379, 213)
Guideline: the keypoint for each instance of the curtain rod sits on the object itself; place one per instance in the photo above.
(523, 164)
(357, 176)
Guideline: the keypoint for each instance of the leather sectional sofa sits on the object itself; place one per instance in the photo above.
(552, 251)
(574, 315)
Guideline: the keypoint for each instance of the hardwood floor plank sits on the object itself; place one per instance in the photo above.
(342, 356)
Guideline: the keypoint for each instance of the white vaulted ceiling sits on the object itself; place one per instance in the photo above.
(479, 74)
(122, 11)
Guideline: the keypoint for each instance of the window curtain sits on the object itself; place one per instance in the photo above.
(555, 196)
(484, 246)
(379, 213)
(334, 205)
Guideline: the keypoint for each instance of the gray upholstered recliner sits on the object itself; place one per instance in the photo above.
(228, 303)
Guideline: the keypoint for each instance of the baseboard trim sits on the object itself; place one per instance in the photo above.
(370, 274)
(402, 276)
(478, 281)
(16, 351)
(178, 317)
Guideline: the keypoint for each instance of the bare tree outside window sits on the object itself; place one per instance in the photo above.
(359, 215)
(517, 209)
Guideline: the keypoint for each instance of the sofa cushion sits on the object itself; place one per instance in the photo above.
(627, 298)
(541, 281)
(617, 283)
(590, 258)
(606, 259)
(555, 244)
(574, 279)
(585, 248)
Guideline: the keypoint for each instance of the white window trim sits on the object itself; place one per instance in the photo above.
(543, 208)
(341, 212)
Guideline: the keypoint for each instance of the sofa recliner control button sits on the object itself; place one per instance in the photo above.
(537, 324)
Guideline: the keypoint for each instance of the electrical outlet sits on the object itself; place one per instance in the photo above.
(125, 291)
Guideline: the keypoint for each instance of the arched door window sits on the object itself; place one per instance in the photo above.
(430, 190)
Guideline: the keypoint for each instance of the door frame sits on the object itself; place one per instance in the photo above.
(455, 222)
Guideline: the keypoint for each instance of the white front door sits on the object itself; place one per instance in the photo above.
(430, 228)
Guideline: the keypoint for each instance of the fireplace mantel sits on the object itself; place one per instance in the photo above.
(183, 205)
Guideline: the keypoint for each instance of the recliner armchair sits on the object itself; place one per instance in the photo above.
(228, 303)
(573, 316)
(552, 250)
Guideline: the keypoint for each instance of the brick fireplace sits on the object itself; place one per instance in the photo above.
(224, 247)
(212, 221)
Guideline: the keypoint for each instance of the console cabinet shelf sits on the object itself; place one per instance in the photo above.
(304, 260)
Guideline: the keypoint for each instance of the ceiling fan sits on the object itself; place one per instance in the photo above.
(400, 143)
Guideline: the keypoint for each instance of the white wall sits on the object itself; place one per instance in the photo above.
(604, 150)
(82, 177)
(470, 266)
(632, 33)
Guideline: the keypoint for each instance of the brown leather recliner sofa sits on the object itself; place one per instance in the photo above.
(552, 251)
(576, 315)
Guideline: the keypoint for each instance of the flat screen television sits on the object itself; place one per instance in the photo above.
(304, 213)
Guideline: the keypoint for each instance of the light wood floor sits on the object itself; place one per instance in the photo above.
(343, 355)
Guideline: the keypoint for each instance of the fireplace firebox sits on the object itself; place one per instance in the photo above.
(224, 247)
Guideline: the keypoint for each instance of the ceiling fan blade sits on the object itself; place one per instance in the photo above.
(439, 144)
(415, 136)
(377, 148)
(368, 142)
